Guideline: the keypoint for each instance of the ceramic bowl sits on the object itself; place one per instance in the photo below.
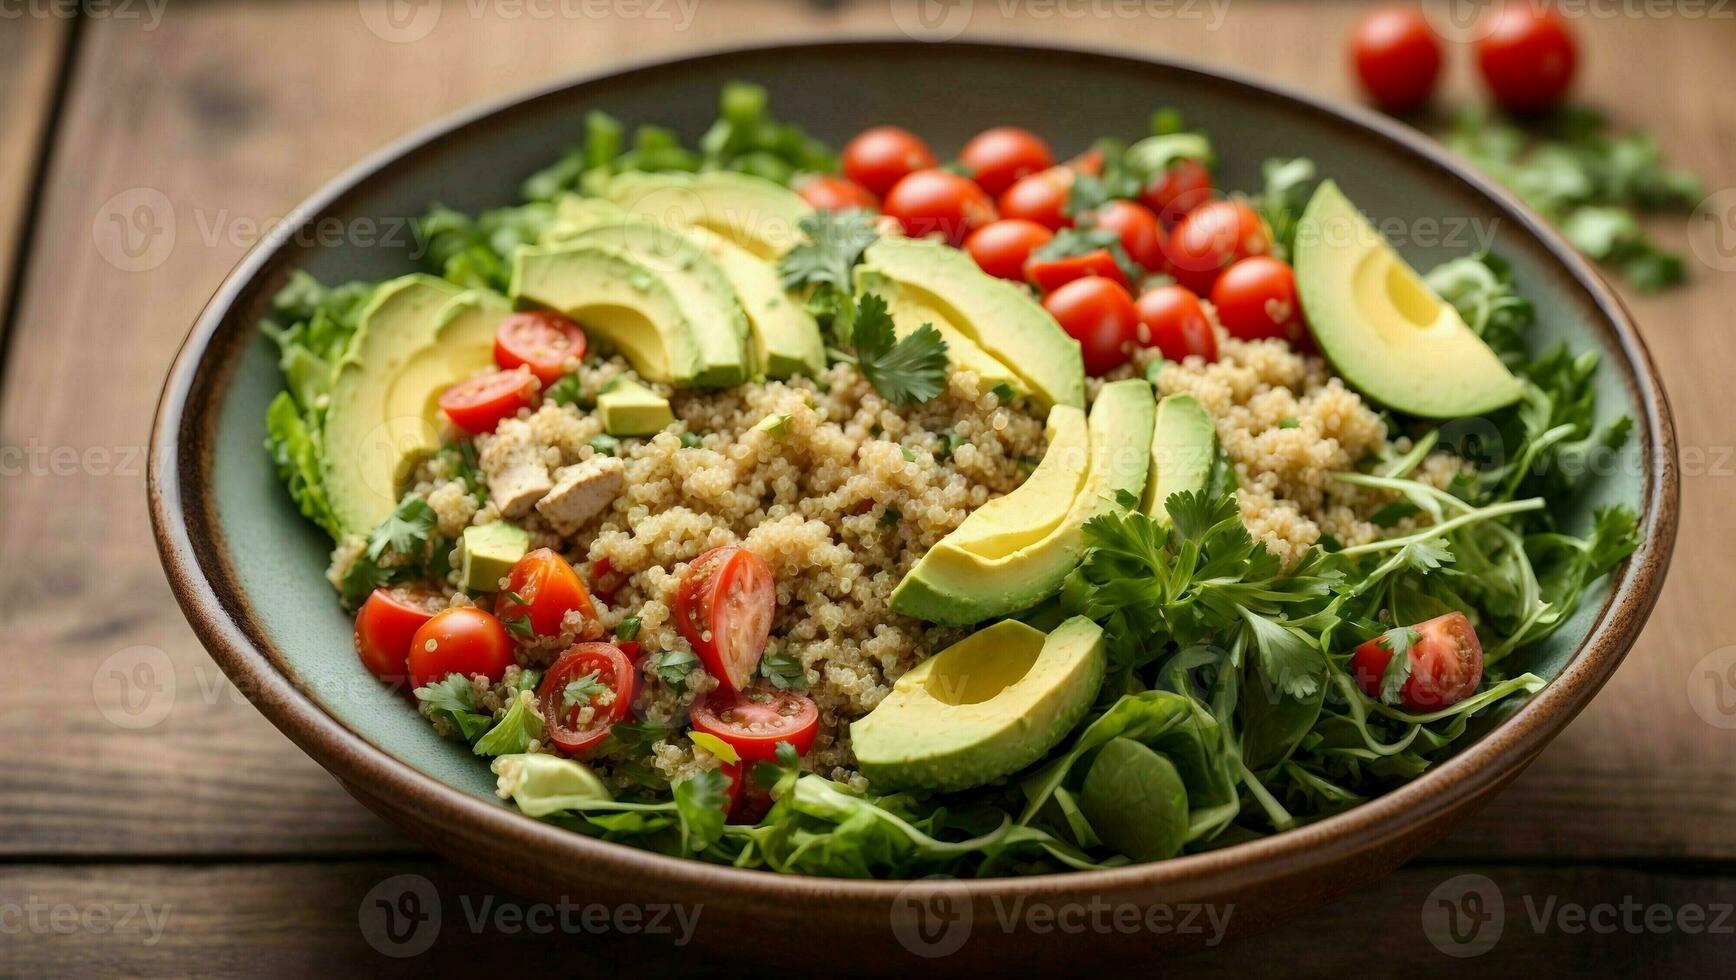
(248, 570)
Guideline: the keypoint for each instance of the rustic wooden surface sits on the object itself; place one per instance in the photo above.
(221, 116)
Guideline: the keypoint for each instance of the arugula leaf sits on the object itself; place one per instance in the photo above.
(904, 371)
(1481, 288)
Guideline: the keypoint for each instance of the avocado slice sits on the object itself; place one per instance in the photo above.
(786, 339)
(969, 577)
(417, 337)
(487, 552)
(985, 707)
(758, 214)
(997, 315)
(1382, 327)
(628, 408)
(909, 312)
(1184, 444)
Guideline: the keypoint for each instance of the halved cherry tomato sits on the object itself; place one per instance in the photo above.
(828, 193)
(544, 587)
(1446, 664)
(1212, 237)
(1002, 247)
(1041, 197)
(385, 625)
(754, 722)
(1527, 55)
(540, 341)
(1184, 185)
(462, 640)
(1049, 275)
(479, 404)
(1172, 320)
(1140, 233)
(1256, 299)
(880, 157)
(1397, 56)
(997, 157)
(602, 679)
(930, 201)
(1098, 313)
(724, 606)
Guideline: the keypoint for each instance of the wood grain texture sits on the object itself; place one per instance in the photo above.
(233, 112)
(31, 49)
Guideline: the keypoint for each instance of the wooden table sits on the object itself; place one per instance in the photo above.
(234, 111)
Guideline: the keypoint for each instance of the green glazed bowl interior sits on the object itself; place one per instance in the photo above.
(249, 570)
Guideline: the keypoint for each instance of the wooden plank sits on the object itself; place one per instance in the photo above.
(232, 112)
(31, 50)
(313, 920)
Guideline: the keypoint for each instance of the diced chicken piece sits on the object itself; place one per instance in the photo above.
(582, 492)
(513, 464)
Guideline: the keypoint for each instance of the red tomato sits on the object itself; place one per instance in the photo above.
(1141, 235)
(548, 588)
(538, 340)
(1002, 247)
(747, 802)
(1089, 162)
(1049, 275)
(1397, 56)
(880, 157)
(754, 722)
(828, 193)
(724, 606)
(1041, 197)
(1212, 237)
(1256, 299)
(1098, 313)
(1172, 320)
(385, 625)
(1183, 186)
(1527, 55)
(479, 404)
(997, 157)
(462, 640)
(930, 201)
(605, 581)
(1446, 664)
(601, 674)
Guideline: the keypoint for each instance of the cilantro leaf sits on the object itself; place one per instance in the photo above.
(405, 532)
(1287, 656)
(454, 698)
(904, 371)
(835, 243)
(700, 800)
(584, 691)
(784, 671)
(1398, 667)
(672, 667)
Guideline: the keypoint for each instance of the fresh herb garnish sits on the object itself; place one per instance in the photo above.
(455, 699)
(673, 666)
(784, 671)
(627, 629)
(903, 370)
(584, 690)
(567, 391)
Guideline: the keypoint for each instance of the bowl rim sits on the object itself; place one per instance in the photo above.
(191, 551)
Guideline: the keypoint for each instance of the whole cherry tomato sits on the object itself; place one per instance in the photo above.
(937, 201)
(1040, 198)
(1256, 299)
(1140, 233)
(1397, 56)
(1098, 313)
(1212, 237)
(880, 157)
(461, 640)
(997, 157)
(828, 193)
(1184, 185)
(1527, 56)
(1172, 320)
(544, 587)
(1002, 248)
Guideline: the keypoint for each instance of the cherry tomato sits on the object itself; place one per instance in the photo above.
(930, 201)
(1172, 320)
(601, 678)
(724, 606)
(544, 587)
(605, 581)
(1140, 233)
(1527, 55)
(1446, 664)
(997, 157)
(754, 722)
(1041, 197)
(1183, 185)
(385, 625)
(828, 193)
(540, 341)
(1049, 275)
(1397, 56)
(462, 640)
(880, 157)
(1256, 299)
(747, 801)
(1098, 313)
(479, 404)
(1212, 237)
(1089, 162)
(1003, 247)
